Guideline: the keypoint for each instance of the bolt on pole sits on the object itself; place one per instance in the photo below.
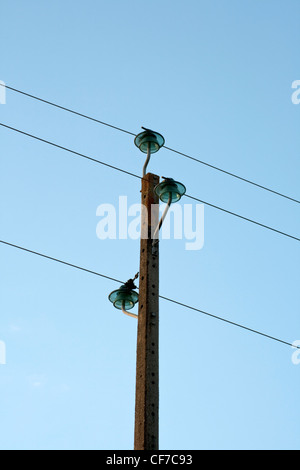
(146, 436)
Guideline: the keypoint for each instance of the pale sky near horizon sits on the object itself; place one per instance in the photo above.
(215, 78)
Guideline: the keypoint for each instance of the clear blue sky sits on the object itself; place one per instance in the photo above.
(215, 79)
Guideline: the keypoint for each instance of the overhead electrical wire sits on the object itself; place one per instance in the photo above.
(67, 109)
(242, 217)
(246, 180)
(160, 296)
(139, 177)
(69, 150)
(228, 321)
(232, 174)
(59, 261)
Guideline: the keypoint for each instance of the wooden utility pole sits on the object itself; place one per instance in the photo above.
(147, 364)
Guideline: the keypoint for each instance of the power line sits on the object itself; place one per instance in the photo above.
(228, 321)
(59, 261)
(69, 150)
(167, 148)
(232, 174)
(161, 296)
(242, 217)
(67, 109)
(139, 177)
